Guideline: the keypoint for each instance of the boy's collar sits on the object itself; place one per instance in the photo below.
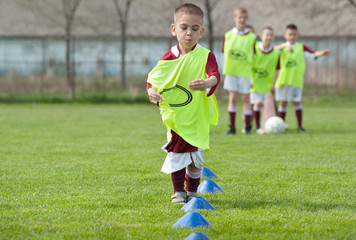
(269, 49)
(175, 50)
(240, 33)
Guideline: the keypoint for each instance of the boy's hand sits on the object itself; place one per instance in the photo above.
(321, 53)
(154, 96)
(283, 45)
(198, 85)
(326, 52)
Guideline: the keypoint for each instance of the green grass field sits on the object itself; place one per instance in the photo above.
(81, 171)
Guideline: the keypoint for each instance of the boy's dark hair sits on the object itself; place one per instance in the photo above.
(190, 9)
(292, 27)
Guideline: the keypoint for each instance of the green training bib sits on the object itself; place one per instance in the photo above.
(238, 54)
(292, 67)
(189, 113)
(263, 70)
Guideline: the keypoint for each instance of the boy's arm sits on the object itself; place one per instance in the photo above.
(200, 84)
(321, 53)
(212, 70)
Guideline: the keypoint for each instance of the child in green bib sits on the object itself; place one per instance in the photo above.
(264, 68)
(182, 84)
(238, 49)
(289, 84)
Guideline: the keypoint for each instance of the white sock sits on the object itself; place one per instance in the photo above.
(298, 107)
(194, 175)
(231, 109)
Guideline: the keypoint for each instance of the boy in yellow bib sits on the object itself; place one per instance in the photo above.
(238, 49)
(289, 84)
(182, 84)
(264, 68)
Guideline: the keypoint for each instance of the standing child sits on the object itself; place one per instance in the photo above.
(263, 71)
(289, 84)
(238, 49)
(182, 84)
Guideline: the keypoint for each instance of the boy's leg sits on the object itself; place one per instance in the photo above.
(232, 111)
(178, 178)
(257, 114)
(299, 113)
(247, 112)
(282, 109)
(192, 180)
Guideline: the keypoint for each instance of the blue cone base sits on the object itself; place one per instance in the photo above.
(197, 236)
(207, 173)
(209, 186)
(192, 220)
(197, 203)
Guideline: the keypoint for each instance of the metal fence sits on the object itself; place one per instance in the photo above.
(36, 65)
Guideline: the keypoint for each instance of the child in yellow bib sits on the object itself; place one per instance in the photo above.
(289, 84)
(238, 49)
(263, 71)
(182, 84)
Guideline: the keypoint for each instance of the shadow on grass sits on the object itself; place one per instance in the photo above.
(303, 206)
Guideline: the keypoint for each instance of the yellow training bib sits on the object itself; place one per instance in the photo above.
(189, 113)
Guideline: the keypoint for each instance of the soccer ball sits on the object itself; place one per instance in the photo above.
(275, 125)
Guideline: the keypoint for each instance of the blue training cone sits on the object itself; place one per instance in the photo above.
(197, 236)
(209, 186)
(192, 220)
(207, 173)
(197, 203)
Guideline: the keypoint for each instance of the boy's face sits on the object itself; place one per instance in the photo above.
(267, 37)
(240, 19)
(291, 35)
(188, 30)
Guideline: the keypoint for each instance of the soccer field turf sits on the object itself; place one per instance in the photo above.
(93, 172)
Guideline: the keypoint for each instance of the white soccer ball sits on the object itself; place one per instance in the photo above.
(275, 125)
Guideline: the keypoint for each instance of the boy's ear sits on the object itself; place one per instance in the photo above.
(173, 30)
(202, 32)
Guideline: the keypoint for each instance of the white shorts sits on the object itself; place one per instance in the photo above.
(177, 161)
(289, 93)
(258, 97)
(237, 84)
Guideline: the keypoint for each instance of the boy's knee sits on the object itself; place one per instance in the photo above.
(193, 168)
(246, 98)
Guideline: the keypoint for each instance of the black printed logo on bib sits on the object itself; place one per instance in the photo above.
(237, 54)
(291, 63)
(260, 72)
(178, 96)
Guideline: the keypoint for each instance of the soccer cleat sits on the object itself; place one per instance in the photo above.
(260, 131)
(231, 130)
(246, 130)
(301, 130)
(179, 197)
(191, 195)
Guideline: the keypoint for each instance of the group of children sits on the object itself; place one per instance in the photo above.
(250, 67)
(185, 79)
